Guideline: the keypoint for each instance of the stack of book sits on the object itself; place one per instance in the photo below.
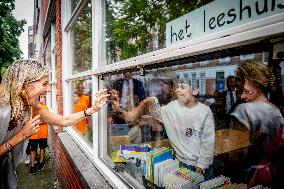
(162, 168)
(133, 151)
(153, 158)
(183, 178)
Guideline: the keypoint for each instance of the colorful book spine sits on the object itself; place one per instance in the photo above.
(153, 157)
(183, 178)
(162, 168)
(217, 182)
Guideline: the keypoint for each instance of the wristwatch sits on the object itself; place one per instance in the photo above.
(85, 113)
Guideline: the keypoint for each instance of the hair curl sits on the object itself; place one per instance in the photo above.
(18, 74)
(258, 74)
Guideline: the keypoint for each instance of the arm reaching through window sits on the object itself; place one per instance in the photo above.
(149, 106)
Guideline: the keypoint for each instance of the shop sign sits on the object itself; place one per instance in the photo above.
(218, 16)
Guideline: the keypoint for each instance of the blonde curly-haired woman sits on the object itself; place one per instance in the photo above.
(24, 82)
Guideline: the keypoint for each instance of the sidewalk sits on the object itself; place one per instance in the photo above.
(45, 179)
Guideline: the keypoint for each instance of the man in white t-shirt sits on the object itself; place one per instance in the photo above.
(190, 128)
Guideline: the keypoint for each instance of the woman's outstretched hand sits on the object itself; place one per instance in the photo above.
(100, 101)
(31, 127)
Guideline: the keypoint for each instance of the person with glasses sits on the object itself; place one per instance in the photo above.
(264, 123)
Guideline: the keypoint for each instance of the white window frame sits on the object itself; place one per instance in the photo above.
(53, 81)
(50, 74)
(68, 19)
(248, 33)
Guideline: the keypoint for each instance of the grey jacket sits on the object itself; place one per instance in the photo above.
(9, 162)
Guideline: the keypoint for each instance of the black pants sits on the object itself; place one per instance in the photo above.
(3, 172)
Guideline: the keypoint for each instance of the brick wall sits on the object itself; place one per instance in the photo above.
(67, 174)
(59, 57)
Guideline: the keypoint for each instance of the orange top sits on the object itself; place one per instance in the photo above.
(43, 128)
(83, 103)
(85, 100)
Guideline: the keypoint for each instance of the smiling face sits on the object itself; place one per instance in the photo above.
(36, 89)
(184, 93)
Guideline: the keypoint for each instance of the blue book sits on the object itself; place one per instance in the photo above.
(162, 157)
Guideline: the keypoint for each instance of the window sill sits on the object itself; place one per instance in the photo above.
(87, 171)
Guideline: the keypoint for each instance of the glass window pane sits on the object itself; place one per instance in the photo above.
(81, 34)
(133, 28)
(155, 109)
(82, 93)
(74, 4)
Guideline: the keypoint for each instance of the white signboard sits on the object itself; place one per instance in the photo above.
(219, 15)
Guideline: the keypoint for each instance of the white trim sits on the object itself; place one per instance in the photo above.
(231, 37)
(52, 54)
(53, 67)
(96, 12)
(108, 173)
(65, 67)
(78, 75)
(95, 86)
(74, 15)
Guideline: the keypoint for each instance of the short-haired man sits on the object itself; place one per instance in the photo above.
(190, 128)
